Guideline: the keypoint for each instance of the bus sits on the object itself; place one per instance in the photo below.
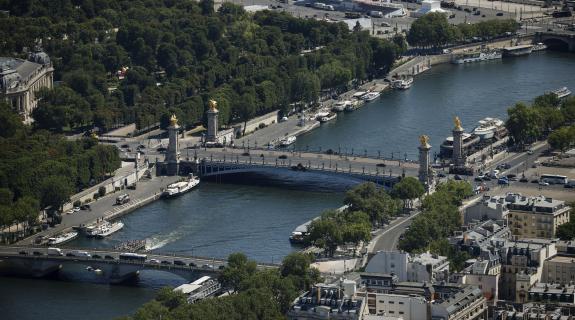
(554, 179)
(133, 256)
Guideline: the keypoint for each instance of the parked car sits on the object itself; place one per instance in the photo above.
(96, 256)
(179, 263)
(108, 257)
(543, 183)
(192, 264)
(503, 181)
(166, 262)
(499, 14)
(155, 261)
(457, 177)
(23, 252)
(37, 253)
(523, 179)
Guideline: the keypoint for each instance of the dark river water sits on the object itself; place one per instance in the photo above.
(218, 219)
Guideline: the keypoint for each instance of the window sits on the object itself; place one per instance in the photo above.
(400, 312)
(400, 302)
(391, 312)
(391, 302)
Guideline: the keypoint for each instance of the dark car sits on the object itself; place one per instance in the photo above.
(283, 156)
(222, 267)
(69, 254)
(441, 175)
(499, 14)
(96, 256)
(478, 179)
(85, 207)
(165, 262)
(37, 253)
(380, 165)
(523, 180)
(141, 146)
(535, 181)
(457, 177)
(108, 257)
(179, 263)
(125, 146)
(192, 264)
(246, 154)
(486, 178)
(161, 149)
(25, 253)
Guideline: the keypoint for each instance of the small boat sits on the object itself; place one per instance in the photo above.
(339, 106)
(539, 47)
(327, 118)
(63, 238)
(109, 228)
(287, 141)
(477, 57)
(371, 96)
(402, 84)
(322, 113)
(178, 188)
(562, 92)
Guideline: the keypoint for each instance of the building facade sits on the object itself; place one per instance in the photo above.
(536, 217)
(20, 80)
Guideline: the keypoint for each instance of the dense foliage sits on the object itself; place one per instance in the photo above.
(433, 30)
(566, 231)
(526, 124)
(181, 53)
(260, 294)
(40, 169)
(438, 220)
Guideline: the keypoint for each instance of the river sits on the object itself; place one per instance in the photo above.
(218, 219)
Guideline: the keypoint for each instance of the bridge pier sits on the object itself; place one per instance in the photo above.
(36, 268)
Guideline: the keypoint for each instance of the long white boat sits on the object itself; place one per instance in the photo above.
(287, 141)
(562, 92)
(109, 228)
(371, 96)
(480, 56)
(488, 127)
(517, 50)
(63, 238)
(178, 188)
(339, 106)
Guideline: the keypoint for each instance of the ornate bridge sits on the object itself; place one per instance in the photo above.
(297, 165)
(562, 40)
(35, 261)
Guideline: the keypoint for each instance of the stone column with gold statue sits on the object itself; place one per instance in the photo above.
(458, 157)
(212, 113)
(173, 153)
(424, 161)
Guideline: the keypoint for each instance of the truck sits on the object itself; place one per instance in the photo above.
(55, 252)
(319, 5)
(376, 14)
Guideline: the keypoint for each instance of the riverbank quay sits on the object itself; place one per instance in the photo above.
(105, 208)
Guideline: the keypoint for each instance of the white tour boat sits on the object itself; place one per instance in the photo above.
(63, 238)
(488, 127)
(371, 96)
(539, 47)
(562, 92)
(109, 228)
(327, 118)
(287, 141)
(178, 188)
(402, 84)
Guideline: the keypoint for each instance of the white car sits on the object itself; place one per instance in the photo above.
(76, 209)
(70, 211)
(529, 151)
(543, 183)
(155, 261)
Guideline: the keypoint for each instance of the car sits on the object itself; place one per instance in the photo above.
(530, 151)
(478, 178)
(523, 179)
(441, 175)
(107, 257)
(165, 262)
(69, 254)
(381, 165)
(222, 267)
(124, 146)
(23, 252)
(179, 263)
(70, 211)
(504, 166)
(283, 119)
(486, 178)
(85, 207)
(207, 266)
(499, 14)
(141, 146)
(535, 181)
(161, 149)
(511, 176)
(543, 183)
(96, 256)
(191, 264)
(154, 261)
(502, 181)
(457, 177)
(76, 209)
(283, 156)
(246, 154)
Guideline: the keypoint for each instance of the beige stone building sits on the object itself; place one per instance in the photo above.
(536, 217)
(559, 269)
(20, 80)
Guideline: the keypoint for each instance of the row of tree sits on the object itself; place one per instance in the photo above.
(258, 294)
(180, 54)
(438, 220)
(433, 30)
(528, 123)
(39, 169)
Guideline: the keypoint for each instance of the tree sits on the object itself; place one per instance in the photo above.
(238, 269)
(562, 138)
(55, 191)
(407, 189)
(524, 123)
(297, 266)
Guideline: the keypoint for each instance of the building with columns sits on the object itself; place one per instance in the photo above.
(21, 79)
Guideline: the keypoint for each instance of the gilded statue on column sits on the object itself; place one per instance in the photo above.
(213, 105)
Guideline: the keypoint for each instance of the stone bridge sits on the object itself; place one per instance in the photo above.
(558, 40)
(297, 166)
(35, 262)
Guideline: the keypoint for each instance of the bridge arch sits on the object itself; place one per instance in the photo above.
(556, 43)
